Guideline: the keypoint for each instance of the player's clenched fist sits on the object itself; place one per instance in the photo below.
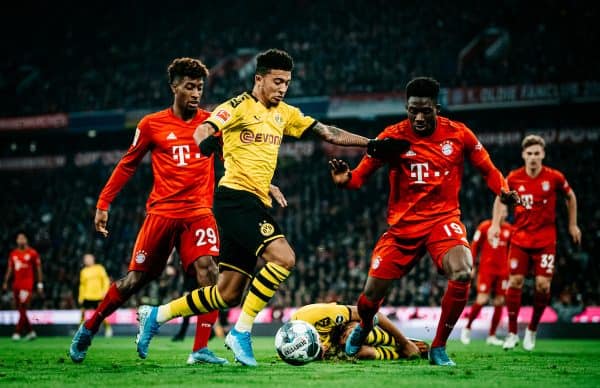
(100, 221)
(340, 172)
(386, 148)
(510, 197)
(212, 144)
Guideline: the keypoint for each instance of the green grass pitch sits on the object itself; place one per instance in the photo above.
(114, 363)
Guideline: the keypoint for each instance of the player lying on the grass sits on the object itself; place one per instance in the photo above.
(334, 322)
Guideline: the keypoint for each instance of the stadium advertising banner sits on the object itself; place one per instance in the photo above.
(57, 120)
(404, 316)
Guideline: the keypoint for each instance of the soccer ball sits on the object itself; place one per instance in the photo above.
(297, 342)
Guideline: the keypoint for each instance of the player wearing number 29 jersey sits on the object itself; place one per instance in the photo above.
(533, 244)
(178, 210)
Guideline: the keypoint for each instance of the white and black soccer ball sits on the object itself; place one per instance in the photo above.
(297, 342)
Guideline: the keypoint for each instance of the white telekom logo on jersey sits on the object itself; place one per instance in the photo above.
(421, 171)
(181, 153)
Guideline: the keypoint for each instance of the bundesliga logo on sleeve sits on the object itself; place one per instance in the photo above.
(223, 116)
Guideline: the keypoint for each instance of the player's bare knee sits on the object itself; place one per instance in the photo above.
(516, 281)
(482, 298)
(498, 301)
(132, 282)
(231, 297)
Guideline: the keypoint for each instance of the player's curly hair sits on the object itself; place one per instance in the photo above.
(423, 87)
(273, 59)
(185, 66)
(530, 140)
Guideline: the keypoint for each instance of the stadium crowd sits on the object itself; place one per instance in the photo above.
(339, 47)
(332, 230)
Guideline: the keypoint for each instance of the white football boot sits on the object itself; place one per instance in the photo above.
(511, 341)
(16, 337)
(465, 335)
(493, 340)
(529, 340)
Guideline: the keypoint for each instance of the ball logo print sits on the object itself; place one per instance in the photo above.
(266, 229)
(297, 342)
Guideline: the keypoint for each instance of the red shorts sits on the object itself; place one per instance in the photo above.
(540, 260)
(22, 296)
(486, 282)
(193, 238)
(393, 257)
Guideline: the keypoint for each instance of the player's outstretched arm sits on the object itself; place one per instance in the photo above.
(377, 148)
(574, 230)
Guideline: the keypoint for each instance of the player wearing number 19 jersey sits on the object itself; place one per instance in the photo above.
(533, 244)
(178, 210)
(423, 209)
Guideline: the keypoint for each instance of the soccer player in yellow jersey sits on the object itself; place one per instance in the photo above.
(93, 285)
(252, 126)
(334, 322)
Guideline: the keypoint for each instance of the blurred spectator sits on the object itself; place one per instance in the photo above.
(567, 306)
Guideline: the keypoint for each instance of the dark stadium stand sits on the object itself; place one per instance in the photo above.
(341, 48)
(67, 63)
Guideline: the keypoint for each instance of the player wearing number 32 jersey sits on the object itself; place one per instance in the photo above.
(423, 209)
(533, 244)
(178, 210)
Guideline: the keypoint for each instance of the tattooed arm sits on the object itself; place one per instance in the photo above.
(339, 136)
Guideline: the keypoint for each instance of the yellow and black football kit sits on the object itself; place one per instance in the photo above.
(93, 285)
(252, 135)
(329, 320)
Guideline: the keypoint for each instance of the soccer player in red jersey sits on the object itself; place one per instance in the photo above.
(533, 243)
(423, 209)
(491, 277)
(178, 209)
(25, 268)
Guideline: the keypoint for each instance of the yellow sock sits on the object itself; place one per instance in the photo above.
(262, 288)
(197, 302)
(379, 337)
(385, 353)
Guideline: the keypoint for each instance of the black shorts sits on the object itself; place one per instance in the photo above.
(245, 229)
(90, 304)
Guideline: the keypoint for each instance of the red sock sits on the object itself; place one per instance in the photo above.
(495, 319)
(204, 326)
(513, 305)
(112, 301)
(540, 301)
(21, 325)
(367, 310)
(453, 303)
(475, 309)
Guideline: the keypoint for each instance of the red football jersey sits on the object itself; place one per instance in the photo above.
(24, 264)
(493, 257)
(535, 220)
(425, 180)
(184, 179)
